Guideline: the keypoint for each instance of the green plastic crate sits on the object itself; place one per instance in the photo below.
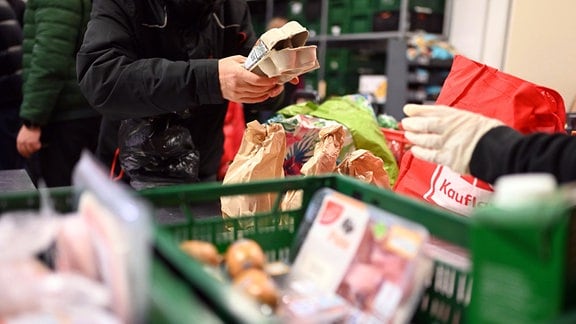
(337, 60)
(386, 5)
(361, 23)
(443, 303)
(183, 292)
(339, 15)
(362, 7)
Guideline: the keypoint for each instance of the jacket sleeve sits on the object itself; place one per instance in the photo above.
(504, 151)
(50, 37)
(120, 85)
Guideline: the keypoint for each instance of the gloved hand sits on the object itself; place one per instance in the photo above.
(445, 135)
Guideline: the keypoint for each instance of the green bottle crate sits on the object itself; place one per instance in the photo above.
(362, 7)
(361, 23)
(338, 15)
(337, 60)
(386, 5)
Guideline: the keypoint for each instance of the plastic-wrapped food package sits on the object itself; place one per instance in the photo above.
(96, 268)
(371, 258)
(31, 291)
(120, 233)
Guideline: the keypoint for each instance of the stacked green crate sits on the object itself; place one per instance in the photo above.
(307, 13)
(427, 15)
(356, 16)
(386, 5)
(435, 6)
(361, 16)
(385, 15)
(339, 17)
(339, 78)
(367, 62)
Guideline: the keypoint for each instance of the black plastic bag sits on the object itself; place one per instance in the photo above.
(157, 151)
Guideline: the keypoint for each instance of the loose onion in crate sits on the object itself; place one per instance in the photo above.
(244, 254)
(202, 251)
(259, 285)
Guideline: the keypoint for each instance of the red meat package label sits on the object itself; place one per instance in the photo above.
(369, 262)
(331, 243)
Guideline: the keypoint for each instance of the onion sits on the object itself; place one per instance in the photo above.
(259, 285)
(202, 251)
(244, 254)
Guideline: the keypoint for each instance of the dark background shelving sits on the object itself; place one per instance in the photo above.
(356, 37)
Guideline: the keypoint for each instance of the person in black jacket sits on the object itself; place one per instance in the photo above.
(470, 143)
(11, 22)
(151, 58)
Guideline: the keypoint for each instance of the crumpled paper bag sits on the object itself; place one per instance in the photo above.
(365, 166)
(326, 151)
(261, 156)
(323, 161)
(302, 135)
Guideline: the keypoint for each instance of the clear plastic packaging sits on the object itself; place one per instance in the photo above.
(121, 233)
(368, 256)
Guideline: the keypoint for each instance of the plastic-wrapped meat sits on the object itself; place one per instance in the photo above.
(361, 283)
(18, 279)
(392, 266)
(74, 246)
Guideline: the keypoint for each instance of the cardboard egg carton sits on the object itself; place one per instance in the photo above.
(281, 52)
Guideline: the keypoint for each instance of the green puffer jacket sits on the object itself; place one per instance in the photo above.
(53, 32)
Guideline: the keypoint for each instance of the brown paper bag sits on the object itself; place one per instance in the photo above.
(364, 165)
(261, 156)
(324, 160)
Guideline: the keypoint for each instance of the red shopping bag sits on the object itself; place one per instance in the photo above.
(479, 88)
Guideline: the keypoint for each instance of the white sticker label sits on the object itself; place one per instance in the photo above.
(257, 52)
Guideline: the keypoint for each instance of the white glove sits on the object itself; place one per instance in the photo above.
(445, 135)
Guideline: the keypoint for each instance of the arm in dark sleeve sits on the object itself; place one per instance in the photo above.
(503, 150)
(119, 84)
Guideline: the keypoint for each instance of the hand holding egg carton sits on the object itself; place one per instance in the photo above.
(281, 52)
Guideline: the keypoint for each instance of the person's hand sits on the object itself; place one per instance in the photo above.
(240, 85)
(28, 141)
(445, 135)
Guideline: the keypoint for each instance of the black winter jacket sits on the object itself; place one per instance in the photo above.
(11, 54)
(136, 62)
(504, 151)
